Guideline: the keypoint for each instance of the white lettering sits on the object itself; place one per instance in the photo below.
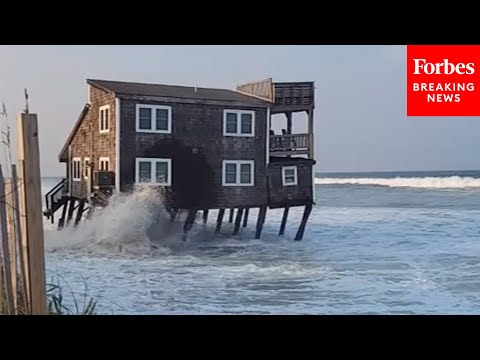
(445, 68)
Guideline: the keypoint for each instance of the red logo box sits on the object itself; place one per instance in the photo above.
(443, 80)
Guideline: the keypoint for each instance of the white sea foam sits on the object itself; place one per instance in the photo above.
(453, 182)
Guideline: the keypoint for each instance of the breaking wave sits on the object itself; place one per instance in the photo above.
(129, 224)
(453, 182)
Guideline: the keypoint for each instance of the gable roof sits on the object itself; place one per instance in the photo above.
(126, 89)
(63, 156)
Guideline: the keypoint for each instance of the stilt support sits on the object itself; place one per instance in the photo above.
(205, 216)
(81, 207)
(230, 220)
(245, 217)
(284, 221)
(261, 220)
(192, 214)
(238, 221)
(71, 209)
(221, 213)
(61, 221)
(301, 229)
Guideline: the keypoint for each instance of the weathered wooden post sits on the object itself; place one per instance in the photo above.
(284, 221)
(221, 212)
(12, 239)
(5, 253)
(238, 221)
(31, 213)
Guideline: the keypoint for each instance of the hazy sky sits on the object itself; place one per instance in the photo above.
(360, 121)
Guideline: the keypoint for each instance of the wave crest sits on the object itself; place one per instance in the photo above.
(452, 182)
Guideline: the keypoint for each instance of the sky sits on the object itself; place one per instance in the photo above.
(360, 115)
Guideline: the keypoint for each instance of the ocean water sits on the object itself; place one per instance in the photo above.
(376, 243)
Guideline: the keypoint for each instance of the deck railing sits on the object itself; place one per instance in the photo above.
(286, 144)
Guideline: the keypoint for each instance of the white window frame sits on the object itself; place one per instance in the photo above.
(77, 160)
(103, 160)
(101, 124)
(153, 109)
(239, 122)
(238, 163)
(86, 161)
(284, 170)
(153, 161)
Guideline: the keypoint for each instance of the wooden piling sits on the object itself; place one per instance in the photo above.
(303, 224)
(284, 221)
(245, 217)
(230, 220)
(61, 221)
(31, 211)
(260, 221)
(71, 210)
(80, 209)
(5, 253)
(238, 221)
(192, 214)
(205, 216)
(221, 213)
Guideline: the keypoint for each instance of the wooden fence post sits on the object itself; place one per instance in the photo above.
(31, 212)
(7, 278)
(12, 239)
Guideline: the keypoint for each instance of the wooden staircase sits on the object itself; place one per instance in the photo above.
(55, 199)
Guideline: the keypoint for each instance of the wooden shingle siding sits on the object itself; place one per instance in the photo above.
(89, 142)
(197, 148)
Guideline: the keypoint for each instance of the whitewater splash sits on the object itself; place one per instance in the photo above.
(125, 225)
(453, 182)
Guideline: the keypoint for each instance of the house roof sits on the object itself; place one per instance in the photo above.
(173, 91)
(63, 156)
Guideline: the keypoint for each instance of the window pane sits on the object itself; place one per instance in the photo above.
(162, 119)
(246, 124)
(230, 173)
(245, 173)
(105, 120)
(161, 172)
(289, 172)
(231, 123)
(145, 171)
(145, 121)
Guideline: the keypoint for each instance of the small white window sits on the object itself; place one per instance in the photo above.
(238, 173)
(104, 164)
(289, 176)
(154, 172)
(86, 164)
(104, 119)
(76, 169)
(239, 123)
(154, 119)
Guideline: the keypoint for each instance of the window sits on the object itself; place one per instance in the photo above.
(76, 169)
(238, 123)
(153, 171)
(104, 164)
(154, 119)
(86, 164)
(289, 176)
(238, 173)
(104, 119)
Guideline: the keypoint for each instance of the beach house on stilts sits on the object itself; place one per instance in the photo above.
(203, 148)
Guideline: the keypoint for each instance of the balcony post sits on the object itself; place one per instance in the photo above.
(311, 130)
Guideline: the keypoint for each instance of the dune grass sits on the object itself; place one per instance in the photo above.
(80, 304)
